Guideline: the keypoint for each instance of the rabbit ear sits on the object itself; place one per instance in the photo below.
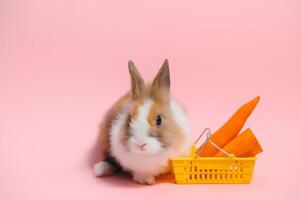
(161, 83)
(138, 86)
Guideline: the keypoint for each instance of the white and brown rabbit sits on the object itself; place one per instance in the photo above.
(143, 129)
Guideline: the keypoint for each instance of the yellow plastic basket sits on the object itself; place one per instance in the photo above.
(210, 170)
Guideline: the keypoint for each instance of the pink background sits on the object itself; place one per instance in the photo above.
(63, 63)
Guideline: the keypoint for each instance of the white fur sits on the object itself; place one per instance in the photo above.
(140, 126)
(145, 166)
(181, 119)
(139, 129)
(142, 164)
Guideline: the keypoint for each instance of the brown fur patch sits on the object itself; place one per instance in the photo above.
(138, 102)
(106, 124)
(134, 109)
(168, 133)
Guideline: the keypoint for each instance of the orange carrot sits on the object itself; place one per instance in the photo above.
(230, 129)
(244, 145)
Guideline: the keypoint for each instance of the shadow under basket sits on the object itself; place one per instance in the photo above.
(212, 170)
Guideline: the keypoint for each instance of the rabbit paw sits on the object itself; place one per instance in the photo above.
(144, 179)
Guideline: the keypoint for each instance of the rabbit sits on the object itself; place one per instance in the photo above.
(143, 129)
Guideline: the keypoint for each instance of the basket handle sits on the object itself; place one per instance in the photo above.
(208, 135)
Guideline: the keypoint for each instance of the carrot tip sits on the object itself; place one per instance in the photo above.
(256, 99)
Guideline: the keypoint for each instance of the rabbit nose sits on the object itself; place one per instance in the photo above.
(141, 145)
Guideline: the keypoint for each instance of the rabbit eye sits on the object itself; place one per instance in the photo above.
(158, 120)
